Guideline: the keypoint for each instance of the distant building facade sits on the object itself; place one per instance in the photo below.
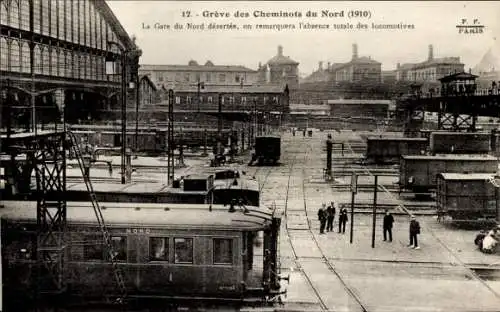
(233, 98)
(430, 70)
(357, 69)
(280, 70)
(175, 76)
(148, 93)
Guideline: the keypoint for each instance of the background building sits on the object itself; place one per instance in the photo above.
(281, 70)
(175, 76)
(430, 70)
(55, 51)
(358, 69)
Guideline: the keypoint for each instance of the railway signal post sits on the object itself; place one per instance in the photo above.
(354, 187)
(329, 145)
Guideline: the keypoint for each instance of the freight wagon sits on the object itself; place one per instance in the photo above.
(186, 254)
(419, 173)
(466, 197)
(268, 149)
(459, 143)
(390, 149)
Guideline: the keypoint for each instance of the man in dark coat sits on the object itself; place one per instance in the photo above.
(388, 221)
(343, 220)
(322, 219)
(414, 231)
(330, 212)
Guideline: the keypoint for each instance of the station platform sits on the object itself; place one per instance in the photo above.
(328, 273)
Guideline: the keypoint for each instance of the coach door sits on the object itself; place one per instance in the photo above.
(247, 251)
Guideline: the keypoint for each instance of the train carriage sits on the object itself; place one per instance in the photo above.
(268, 149)
(179, 253)
(466, 197)
(442, 142)
(419, 173)
(390, 149)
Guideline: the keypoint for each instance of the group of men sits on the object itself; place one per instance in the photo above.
(326, 216)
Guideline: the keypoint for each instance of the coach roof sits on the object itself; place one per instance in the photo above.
(192, 216)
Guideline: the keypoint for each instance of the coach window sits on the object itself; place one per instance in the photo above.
(158, 249)
(223, 251)
(183, 250)
(93, 248)
(119, 244)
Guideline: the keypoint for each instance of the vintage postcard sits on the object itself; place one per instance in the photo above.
(249, 155)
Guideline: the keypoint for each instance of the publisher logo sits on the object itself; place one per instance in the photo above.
(468, 27)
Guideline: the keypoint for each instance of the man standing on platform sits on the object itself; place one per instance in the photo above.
(388, 221)
(343, 220)
(322, 218)
(330, 212)
(414, 231)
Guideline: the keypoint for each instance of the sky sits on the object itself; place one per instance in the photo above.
(433, 23)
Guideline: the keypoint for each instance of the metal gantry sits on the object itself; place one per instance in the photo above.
(45, 154)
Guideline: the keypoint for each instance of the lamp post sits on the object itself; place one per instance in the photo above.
(111, 70)
(200, 85)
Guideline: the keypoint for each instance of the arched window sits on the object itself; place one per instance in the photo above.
(75, 22)
(66, 72)
(4, 54)
(37, 11)
(82, 21)
(46, 60)
(15, 57)
(38, 59)
(54, 66)
(25, 57)
(14, 13)
(89, 25)
(61, 63)
(82, 64)
(24, 6)
(4, 13)
(74, 64)
(90, 66)
(45, 18)
(53, 18)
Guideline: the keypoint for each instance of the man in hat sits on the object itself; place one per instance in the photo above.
(322, 218)
(388, 221)
(330, 212)
(414, 231)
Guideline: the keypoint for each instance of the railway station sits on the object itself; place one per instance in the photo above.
(134, 191)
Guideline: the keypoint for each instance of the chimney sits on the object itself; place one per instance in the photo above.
(329, 65)
(398, 66)
(320, 66)
(431, 53)
(354, 51)
(280, 50)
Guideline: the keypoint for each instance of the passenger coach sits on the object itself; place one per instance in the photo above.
(179, 253)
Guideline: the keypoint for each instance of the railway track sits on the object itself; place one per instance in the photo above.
(363, 187)
(296, 203)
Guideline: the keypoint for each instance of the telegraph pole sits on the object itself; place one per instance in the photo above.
(354, 186)
(374, 210)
